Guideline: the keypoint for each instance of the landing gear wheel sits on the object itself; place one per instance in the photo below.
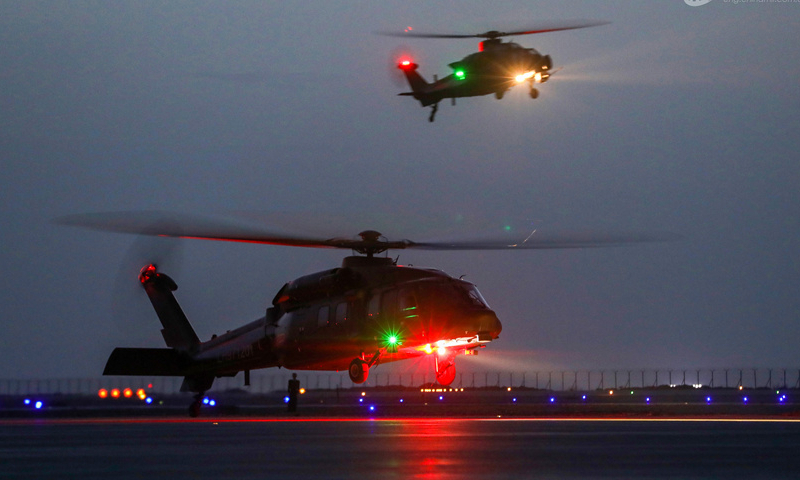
(433, 112)
(446, 369)
(447, 375)
(534, 93)
(194, 408)
(499, 94)
(358, 371)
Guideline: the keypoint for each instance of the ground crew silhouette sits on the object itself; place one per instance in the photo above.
(294, 390)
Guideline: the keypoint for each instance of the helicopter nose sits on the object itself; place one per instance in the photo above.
(483, 323)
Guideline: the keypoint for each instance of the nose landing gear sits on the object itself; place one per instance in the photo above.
(446, 368)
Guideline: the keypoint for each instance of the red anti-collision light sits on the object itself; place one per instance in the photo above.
(147, 273)
(406, 65)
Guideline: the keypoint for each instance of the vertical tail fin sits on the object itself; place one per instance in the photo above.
(415, 80)
(177, 332)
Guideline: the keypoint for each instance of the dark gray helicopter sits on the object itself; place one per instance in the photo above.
(494, 69)
(367, 311)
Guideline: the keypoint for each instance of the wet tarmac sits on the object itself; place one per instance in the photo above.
(388, 448)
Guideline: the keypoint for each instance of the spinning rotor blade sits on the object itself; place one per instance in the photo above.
(537, 241)
(542, 28)
(194, 227)
(127, 306)
(184, 226)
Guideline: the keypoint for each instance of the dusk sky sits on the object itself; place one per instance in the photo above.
(670, 118)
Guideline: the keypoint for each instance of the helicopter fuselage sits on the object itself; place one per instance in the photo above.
(366, 312)
(495, 69)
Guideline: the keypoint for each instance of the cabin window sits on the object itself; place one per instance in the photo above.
(323, 316)
(374, 307)
(341, 313)
(389, 302)
(407, 303)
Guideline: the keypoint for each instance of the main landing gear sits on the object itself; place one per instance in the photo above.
(359, 368)
(434, 108)
(358, 371)
(194, 408)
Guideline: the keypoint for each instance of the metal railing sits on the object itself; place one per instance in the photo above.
(555, 380)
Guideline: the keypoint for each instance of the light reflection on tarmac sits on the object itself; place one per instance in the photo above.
(398, 448)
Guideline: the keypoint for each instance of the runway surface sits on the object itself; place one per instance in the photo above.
(398, 448)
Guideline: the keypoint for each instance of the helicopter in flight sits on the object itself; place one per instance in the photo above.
(495, 68)
(368, 311)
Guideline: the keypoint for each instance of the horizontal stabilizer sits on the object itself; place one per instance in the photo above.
(147, 361)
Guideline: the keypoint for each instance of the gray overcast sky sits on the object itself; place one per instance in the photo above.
(673, 117)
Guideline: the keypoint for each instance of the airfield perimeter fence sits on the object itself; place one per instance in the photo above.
(557, 381)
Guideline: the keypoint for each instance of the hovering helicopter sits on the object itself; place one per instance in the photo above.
(368, 311)
(494, 69)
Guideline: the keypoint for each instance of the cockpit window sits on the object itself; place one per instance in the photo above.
(475, 297)
(462, 293)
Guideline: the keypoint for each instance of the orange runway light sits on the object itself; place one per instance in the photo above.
(102, 393)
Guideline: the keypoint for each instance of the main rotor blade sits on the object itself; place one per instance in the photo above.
(542, 28)
(165, 224)
(195, 227)
(543, 241)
